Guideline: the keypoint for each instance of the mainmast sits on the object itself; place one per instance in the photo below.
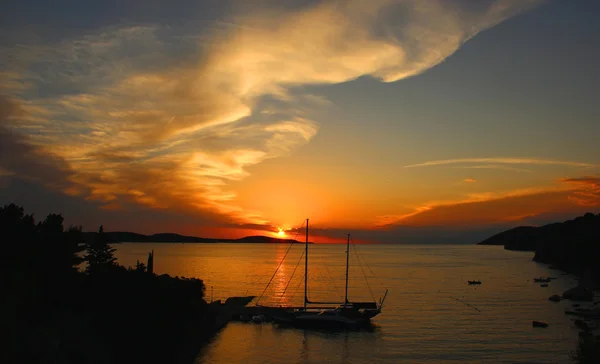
(306, 268)
(347, 266)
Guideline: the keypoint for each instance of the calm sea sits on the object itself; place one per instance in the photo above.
(421, 322)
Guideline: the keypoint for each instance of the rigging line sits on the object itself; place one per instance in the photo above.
(473, 307)
(292, 276)
(298, 231)
(332, 282)
(298, 286)
(365, 275)
(295, 238)
(276, 270)
(367, 264)
(325, 277)
(363, 258)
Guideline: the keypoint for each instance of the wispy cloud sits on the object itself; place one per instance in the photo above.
(19, 157)
(168, 117)
(495, 166)
(587, 191)
(529, 161)
(469, 180)
(485, 207)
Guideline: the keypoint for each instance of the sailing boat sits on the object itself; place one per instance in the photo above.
(346, 315)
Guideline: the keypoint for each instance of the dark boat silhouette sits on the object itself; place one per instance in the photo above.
(346, 315)
(542, 280)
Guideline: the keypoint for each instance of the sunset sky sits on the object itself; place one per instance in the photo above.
(396, 120)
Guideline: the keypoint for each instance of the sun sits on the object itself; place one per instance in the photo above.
(281, 233)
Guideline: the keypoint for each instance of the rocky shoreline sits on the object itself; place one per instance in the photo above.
(573, 247)
(585, 310)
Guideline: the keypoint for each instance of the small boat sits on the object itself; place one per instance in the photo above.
(555, 298)
(474, 282)
(539, 324)
(259, 319)
(542, 280)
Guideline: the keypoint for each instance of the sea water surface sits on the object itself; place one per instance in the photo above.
(422, 321)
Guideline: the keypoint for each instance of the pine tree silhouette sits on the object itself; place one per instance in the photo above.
(99, 254)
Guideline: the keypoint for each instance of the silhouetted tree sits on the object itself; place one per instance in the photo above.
(151, 262)
(99, 254)
(13, 219)
(75, 241)
(53, 309)
(19, 235)
(52, 225)
(60, 250)
(140, 267)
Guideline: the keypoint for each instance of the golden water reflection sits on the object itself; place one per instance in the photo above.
(420, 322)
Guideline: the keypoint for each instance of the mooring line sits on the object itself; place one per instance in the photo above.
(473, 307)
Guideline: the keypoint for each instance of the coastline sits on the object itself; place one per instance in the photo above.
(118, 237)
(55, 311)
(572, 247)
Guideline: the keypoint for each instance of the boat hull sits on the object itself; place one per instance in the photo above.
(329, 319)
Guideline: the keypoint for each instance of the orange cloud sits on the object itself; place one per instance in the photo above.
(156, 128)
(469, 180)
(490, 207)
(587, 191)
(488, 211)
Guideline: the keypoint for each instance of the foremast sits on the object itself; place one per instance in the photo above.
(347, 267)
(306, 268)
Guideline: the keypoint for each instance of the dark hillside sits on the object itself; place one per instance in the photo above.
(519, 238)
(573, 245)
(56, 313)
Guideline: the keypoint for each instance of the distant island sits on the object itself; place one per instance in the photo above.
(572, 246)
(129, 237)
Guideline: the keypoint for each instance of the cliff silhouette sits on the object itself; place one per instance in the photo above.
(572, 246)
